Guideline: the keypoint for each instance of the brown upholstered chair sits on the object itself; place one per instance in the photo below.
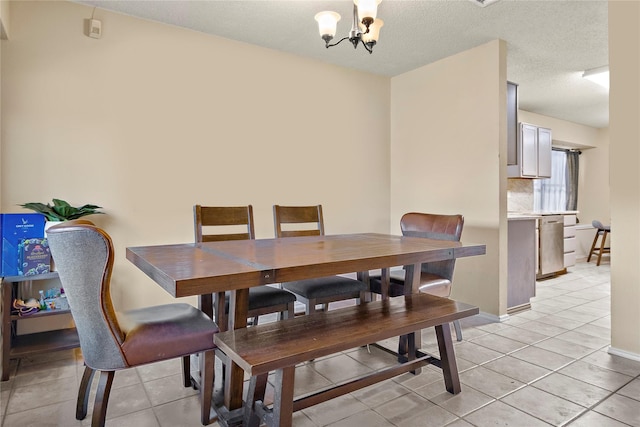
(110, 340)
(602, 231)
(262, 299)
(308, 221)
(435, 277)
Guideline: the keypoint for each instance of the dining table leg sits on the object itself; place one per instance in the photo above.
(408, 344)
(447, 358)
(385, 283)
(205, 304)
(238, 311)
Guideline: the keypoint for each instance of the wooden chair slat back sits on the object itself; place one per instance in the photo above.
(205, 217)
(301, 216)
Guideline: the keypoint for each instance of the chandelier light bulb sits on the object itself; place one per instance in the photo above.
(374, 32)
(367, 10)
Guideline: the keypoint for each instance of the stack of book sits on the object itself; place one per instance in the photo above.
(24, 248)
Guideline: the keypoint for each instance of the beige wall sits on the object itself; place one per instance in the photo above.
(624, 110)
(565, 133)
(594, 190)
(448, 151)
(152, 119)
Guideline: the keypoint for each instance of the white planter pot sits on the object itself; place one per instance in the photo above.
(49, 224)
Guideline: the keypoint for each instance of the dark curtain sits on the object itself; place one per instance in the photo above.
(573, 161)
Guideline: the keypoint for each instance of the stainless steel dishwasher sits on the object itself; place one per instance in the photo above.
(551, 245)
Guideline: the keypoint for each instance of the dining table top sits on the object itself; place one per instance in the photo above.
(198, 268)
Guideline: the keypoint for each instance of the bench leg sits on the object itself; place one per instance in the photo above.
(255, 393)
(448, 359)
(283, 397)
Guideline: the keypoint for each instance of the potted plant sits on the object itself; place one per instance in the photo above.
(61, 210)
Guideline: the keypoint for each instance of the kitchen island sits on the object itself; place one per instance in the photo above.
(522, 264)
(528, 244)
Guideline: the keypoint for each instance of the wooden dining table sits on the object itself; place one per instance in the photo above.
(203, 269)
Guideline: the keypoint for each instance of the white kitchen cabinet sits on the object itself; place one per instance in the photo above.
(569, 240)
(533, 153)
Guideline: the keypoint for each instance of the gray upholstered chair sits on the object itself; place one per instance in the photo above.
(208, 221)
(110, 340)
(602, 231)
(435, 277)
(308, 221)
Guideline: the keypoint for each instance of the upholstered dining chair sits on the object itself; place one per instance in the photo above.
(435, 277)
(602, 231)
(295, 221)
(262, 299)
(111, 341)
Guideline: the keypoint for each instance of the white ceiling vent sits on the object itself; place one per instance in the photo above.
(483, 3)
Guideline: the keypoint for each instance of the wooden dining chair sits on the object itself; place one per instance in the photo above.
(296, 221)
(110, 340)
(435, 277)
(236, 223)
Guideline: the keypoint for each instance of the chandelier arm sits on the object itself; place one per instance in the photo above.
(327, 45)
(366, 47)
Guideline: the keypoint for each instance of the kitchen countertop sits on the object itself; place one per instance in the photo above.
(521, 216)
(524, 215)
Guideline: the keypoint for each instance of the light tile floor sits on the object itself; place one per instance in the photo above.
(545, 366)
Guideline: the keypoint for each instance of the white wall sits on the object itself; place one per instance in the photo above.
(152, 119)
(565, 133)
(448, 155)
(624, 110)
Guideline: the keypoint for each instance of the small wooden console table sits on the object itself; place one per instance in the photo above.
(16, 346)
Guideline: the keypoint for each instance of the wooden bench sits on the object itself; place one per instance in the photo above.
(279, 346)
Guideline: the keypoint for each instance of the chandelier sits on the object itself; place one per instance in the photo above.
(365, 27)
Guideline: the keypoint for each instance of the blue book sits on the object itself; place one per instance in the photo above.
(14, 228)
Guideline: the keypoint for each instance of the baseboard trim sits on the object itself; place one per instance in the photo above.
(493, 318)
(623, 353)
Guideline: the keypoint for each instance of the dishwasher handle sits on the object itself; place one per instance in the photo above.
(552, 219)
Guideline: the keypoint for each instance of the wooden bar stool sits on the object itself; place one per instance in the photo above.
(601, 231)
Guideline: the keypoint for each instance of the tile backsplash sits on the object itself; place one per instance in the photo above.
(519, 195)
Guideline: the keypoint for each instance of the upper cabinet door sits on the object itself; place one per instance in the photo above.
(534, 153)
(529, 151)
(544, 153)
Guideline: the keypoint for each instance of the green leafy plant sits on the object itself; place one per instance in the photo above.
(61, 210)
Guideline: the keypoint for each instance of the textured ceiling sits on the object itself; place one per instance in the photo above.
(550, 42)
